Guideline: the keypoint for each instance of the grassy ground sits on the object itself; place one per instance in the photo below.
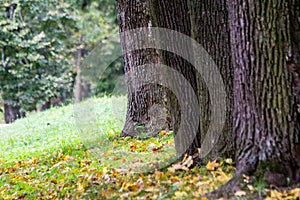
(74, 152)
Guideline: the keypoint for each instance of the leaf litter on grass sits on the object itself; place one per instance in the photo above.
(58, 166)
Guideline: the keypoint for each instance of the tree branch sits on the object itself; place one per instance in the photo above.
(21, 17)
(3, 57)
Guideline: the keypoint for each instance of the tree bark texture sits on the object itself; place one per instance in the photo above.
(133, 14)
(263, 96)
(210, 28)
(174, 15)
(294, 60)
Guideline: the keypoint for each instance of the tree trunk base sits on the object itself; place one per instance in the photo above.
(140, 131)
(228, 190)
(279, 174)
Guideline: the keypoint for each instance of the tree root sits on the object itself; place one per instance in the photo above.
(228, 190)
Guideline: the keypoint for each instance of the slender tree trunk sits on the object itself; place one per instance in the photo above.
(210, 28)
(82, 87)
(133, 14)
(11, 112)
(263, 107)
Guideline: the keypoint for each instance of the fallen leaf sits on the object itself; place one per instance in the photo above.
(80, 187)
(211, 166)
(240, 193)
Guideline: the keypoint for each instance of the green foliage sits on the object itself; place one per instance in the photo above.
(35, 51)
(97, 29)
(97, 23)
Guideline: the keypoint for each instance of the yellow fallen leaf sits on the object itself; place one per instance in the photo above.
(164, 133)
(80, 187)
(212, 165)
(105, 170)
(179, 194)
(295, 192)
(275, 194)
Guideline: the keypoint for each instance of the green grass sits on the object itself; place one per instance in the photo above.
(62, 146)
(62, 127)
(74, 152)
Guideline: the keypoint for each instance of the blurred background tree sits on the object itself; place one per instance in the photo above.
(42, 46)
(97, 29)
(35, 54)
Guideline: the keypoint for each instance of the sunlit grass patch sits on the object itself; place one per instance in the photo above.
(137, 155)
(60, 127)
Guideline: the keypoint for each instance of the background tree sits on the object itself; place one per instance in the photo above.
(34, 54)
(96, 28)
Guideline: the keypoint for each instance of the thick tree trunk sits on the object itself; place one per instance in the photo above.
(210, 28)
(294, 60)
(174, 15)
(263, 107)
(11, 113)
(142, 99)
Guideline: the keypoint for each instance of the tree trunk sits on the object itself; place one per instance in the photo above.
(42, 107)
(174, 15)
(210, 28)
(82, 87)
(142, 99)
(264, 120)
(294, 60)
(11, 113)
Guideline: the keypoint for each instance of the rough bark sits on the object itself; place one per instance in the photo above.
(294, 60)
(133, 14)
(174, 15)
(210, 28)
(263, 96)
